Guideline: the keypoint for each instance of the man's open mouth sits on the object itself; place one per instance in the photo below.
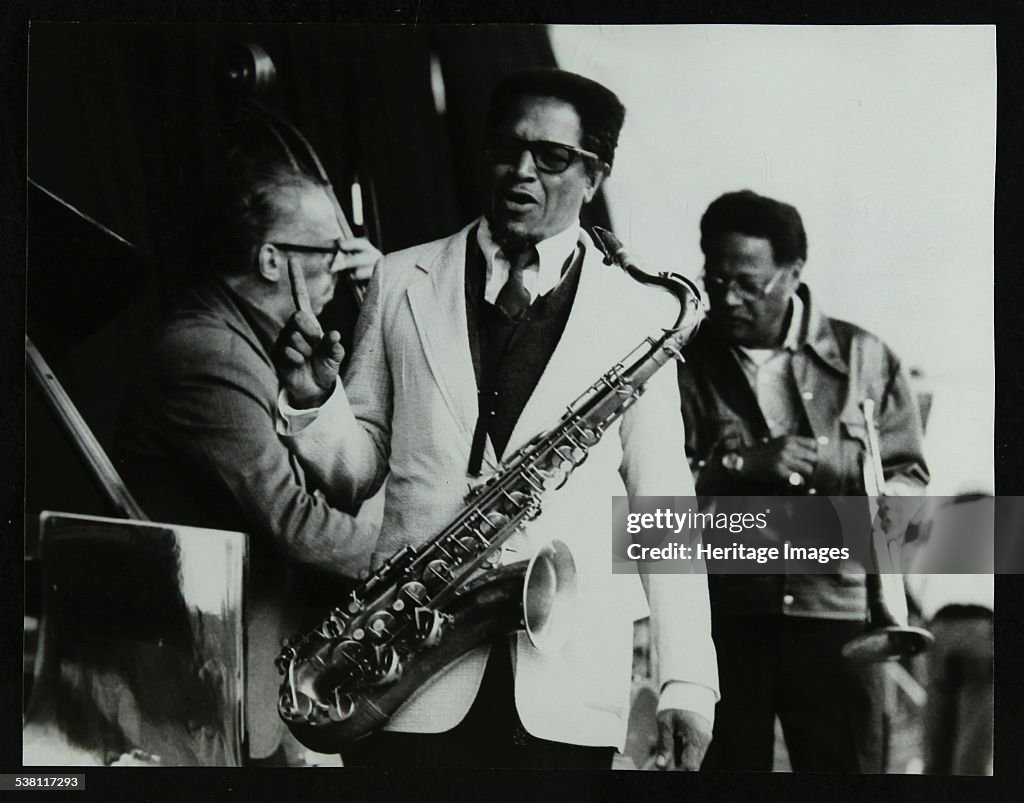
(518, 199)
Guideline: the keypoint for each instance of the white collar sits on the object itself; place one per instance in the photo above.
(541, 276)
(796, 325)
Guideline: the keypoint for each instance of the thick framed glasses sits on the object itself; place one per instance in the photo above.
(301, 248)
(745, 290)
(549, 157)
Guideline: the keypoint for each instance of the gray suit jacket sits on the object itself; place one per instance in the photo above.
(196, 442)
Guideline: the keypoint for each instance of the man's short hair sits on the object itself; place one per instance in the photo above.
(600, 110)
(748, 213)
(255, 197)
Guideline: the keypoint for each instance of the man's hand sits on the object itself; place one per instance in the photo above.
(786, 460)
(306, 359)
(360, 257)
(683, 739)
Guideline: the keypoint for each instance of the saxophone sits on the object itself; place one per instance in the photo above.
(427, 606)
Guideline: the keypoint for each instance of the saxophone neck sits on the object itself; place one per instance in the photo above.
(691, 305)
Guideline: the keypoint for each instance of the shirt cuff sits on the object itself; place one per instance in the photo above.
(291, 421)
(688, 697)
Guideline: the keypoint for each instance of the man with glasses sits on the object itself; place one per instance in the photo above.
(467, 348)
(196, 437)
(771, 391)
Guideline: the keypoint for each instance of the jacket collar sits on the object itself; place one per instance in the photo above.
(238, 313)
(821, 337)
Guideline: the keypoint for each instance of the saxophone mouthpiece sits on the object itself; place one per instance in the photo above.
(610, 245)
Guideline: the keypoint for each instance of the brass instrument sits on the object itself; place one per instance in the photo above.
(427, 606)
(888, 636)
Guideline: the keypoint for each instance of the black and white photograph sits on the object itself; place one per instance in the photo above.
(342, 340)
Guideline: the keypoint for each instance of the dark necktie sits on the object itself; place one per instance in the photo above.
(514, 298)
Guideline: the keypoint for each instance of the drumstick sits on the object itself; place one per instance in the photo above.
(300, 293)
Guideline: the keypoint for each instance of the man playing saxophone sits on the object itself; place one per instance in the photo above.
(466, 348)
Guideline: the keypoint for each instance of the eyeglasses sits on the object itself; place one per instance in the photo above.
(745, 290)
(549, 157)
(333, 250)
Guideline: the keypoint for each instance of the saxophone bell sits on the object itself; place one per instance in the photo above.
(549, 596)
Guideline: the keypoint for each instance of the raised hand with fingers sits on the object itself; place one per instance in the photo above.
(360, 257)
(307, 360)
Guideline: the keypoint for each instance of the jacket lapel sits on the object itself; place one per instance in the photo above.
(438, 303)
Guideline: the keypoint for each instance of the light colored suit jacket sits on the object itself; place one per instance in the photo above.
(409, 412)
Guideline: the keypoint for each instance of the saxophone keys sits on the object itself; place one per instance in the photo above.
(518, 498)
(468, 545)
(283, 660)
(670, 348)
(381, 624)
(295, 706)
(495, 520)
(342, 707)
(439, 570)
(571, 457)
(348, 657)
(588, 436)
(412, 593)
(429, 625)
(387, 665)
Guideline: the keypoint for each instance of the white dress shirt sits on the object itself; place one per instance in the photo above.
(543, 273)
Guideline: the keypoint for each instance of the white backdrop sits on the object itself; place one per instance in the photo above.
(882, 137)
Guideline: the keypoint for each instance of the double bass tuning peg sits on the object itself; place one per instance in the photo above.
(248, 69)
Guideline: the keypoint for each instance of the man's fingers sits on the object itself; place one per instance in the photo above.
(363, 272)
(802, 446)
(297, 282)
(300, 294)
(797, 452)
(693, 733)
(300, 343)
(359, 254)
(306, 324)
(802, 467)
(294, 357)
(330, 348)
(664, 758)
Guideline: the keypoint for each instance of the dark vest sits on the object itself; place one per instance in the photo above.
(510, 356)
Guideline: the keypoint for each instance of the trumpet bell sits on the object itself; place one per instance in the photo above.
(549, 596)
(887, 644)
